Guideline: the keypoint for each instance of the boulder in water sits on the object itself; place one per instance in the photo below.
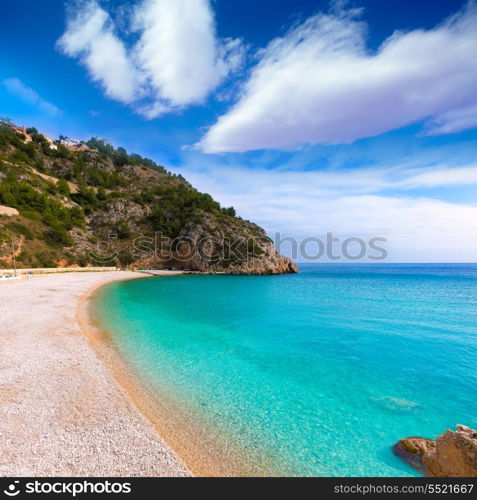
(452, 454)
(412, 450)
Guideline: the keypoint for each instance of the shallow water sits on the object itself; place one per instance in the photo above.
(323, 371)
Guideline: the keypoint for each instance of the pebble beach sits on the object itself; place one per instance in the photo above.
(61, 411)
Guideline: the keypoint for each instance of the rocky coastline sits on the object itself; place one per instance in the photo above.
(452, 454)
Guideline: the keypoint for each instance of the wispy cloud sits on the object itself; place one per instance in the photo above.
(17, 88)
(438, 176)
(177, 61)
(320, 84)
(399, 203)
(453, 121)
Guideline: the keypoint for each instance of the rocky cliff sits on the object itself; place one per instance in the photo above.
(223, 246)
(452, 454)
(92, 204)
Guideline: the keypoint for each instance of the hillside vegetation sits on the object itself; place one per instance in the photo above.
(92, 204)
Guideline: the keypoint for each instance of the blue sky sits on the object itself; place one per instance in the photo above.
(358, 118)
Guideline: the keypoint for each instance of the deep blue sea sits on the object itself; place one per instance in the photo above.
(323, 370)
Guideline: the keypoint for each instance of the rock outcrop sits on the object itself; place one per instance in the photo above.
(412, 449)
(225, 246)
(220, 246)
(452, 454)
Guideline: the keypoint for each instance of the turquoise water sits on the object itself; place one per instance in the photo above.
(323, 371)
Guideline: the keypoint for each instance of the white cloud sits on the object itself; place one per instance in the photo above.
(90, 37)
(177, 61)
(16, 87)
(320, 84)
(179, 53)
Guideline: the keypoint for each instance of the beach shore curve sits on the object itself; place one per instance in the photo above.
(61, 411)
(205, 452)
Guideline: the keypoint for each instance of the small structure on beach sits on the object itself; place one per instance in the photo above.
(9, 277)
(8, 211)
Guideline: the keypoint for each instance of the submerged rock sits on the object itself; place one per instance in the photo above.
(452, 454)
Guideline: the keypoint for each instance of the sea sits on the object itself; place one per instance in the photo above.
(320, 372)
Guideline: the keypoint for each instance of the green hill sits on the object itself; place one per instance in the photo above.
(66, 203)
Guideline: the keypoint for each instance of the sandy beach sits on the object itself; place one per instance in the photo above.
(61, 411)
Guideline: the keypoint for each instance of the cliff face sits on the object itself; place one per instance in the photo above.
(210, 242)
(452, 454)
(226, 246)
(96, 205)
(455, 454)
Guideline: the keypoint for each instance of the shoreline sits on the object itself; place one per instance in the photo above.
(61, 412)
(72, 405)
(203, 453)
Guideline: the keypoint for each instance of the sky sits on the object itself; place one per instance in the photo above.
(356, 118)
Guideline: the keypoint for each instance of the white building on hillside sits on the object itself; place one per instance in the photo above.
(69, 143)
